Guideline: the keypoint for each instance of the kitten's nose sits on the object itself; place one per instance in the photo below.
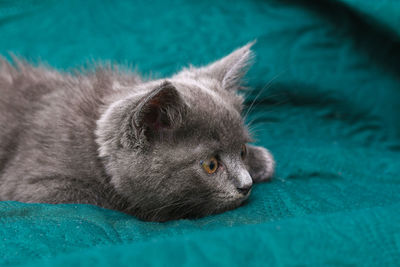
(244, 182)
(244, 189)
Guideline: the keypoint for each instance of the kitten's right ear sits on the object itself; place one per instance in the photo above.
(160, 111)
(230, 70)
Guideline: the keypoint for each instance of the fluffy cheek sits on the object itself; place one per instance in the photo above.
(131, 176)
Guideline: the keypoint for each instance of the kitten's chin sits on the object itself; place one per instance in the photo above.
(236, 203)
(221, 207)
(190, 211)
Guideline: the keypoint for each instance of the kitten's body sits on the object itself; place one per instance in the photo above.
(47, 136)
(112, 140)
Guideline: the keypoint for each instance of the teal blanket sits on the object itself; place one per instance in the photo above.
(326, 102)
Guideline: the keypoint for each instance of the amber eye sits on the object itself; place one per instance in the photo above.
(243, 152)
(210, 165)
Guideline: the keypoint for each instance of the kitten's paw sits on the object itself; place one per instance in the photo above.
(261, 164)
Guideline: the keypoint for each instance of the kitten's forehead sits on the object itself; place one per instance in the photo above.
(205, 89)
(214, 112)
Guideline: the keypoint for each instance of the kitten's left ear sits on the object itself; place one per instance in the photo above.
(230, 70)
(161, 110)
(134, 123)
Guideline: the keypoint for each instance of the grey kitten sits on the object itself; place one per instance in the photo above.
(160, 150)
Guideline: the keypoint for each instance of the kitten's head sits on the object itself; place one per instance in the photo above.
(176, 148)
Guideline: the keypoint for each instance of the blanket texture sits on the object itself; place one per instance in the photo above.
(326, 98)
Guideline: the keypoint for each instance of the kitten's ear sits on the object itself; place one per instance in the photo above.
(159, 111)
(231, 69)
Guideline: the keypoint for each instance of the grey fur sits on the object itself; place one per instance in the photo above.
(110, 139)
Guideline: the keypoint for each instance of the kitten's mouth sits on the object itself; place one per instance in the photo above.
(248, 193)
(237, 202)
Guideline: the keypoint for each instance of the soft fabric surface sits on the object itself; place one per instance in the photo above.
(327, 79)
